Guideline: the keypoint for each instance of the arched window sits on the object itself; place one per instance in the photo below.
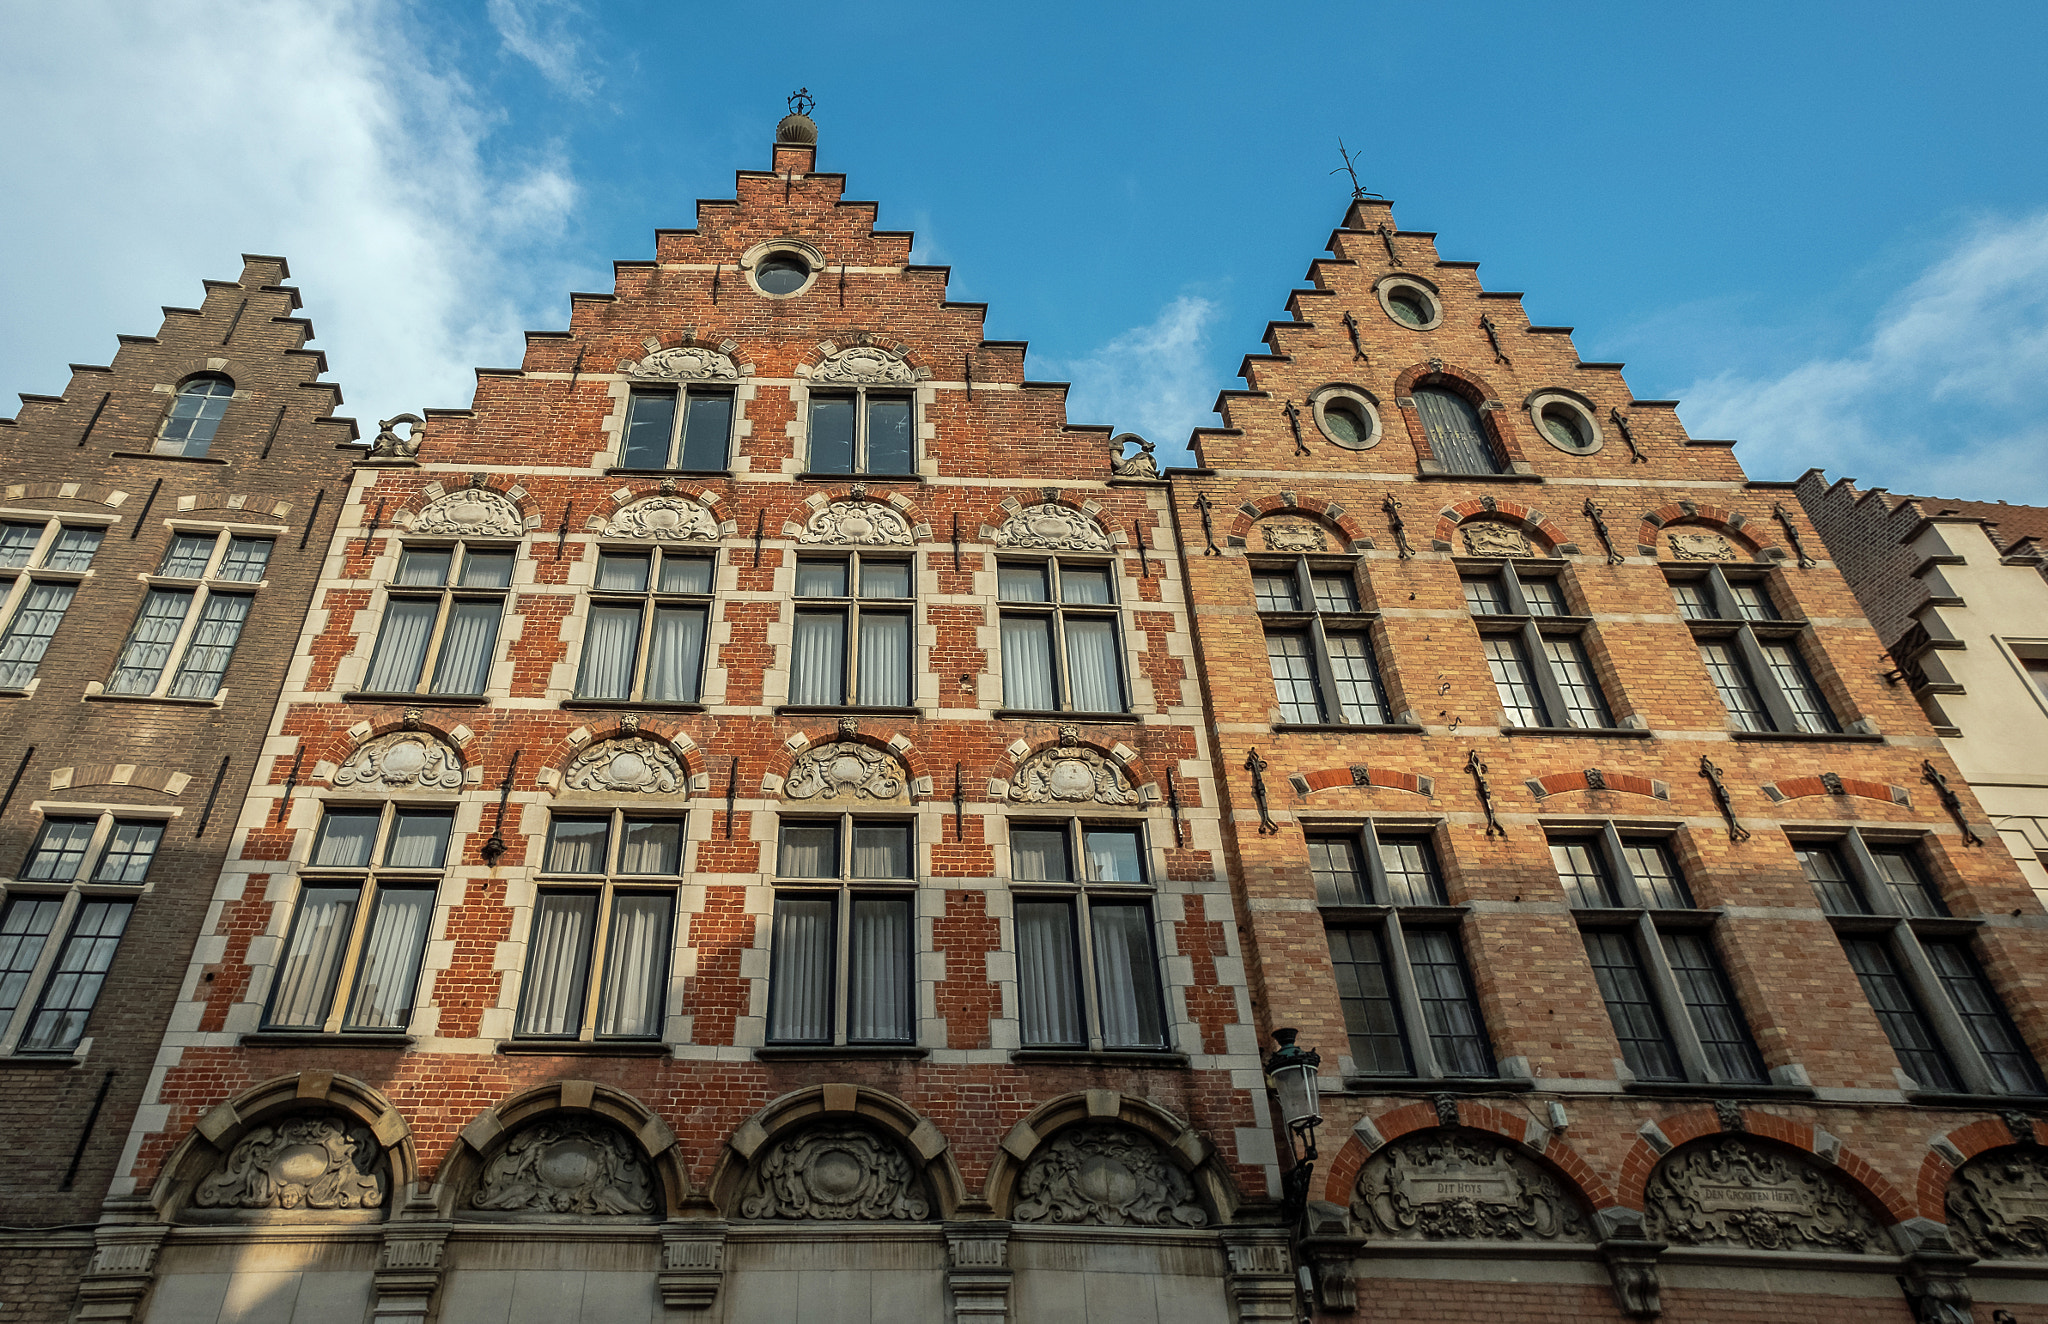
(1456, 435)
(189, 427)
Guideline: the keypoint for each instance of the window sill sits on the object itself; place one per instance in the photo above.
(850, 709)
(1438, 476)
(154, 698)
(1359, 728)
(630, 706)
(1041, 715)
(40, 1061)
(1679, 1088)
(175, 459)
(668, 473)
(16, 693)
(312, 1039)
(808, 477)
(1385, 1085)
(820, 1052)
(1584, 732)
(1162, 1058)
(583, 1048)
(1990, 1102)
(419, 700)
(1810, 737)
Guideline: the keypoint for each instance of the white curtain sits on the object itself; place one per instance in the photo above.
(23, 931)
(424, 567)
(800, 989)
(636, 966)
(345, 839)
(653, 847)
(487, 569)
(817, 667)
(1091, 665)
(465, 664)
(1114, 857)
(881, 850)
(305, 983)
(29, 637)
(1039, 855)
(884, 660)
(1048, 981)
(1021, 583)
(557, 963)
(149, 644)
(391, 960)
(1084, 584)
(577, 845)
(402, 646)
(821, 579)
(884, 579)
(419, 840)
(609, 652)
(809, 850)
(623, 573)
(1027, 663)
(212, 647)
(878, 994)
(1125, 978)
(675, 656)
(685, 574)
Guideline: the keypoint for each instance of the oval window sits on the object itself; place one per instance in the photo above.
(1346, 426)
(1409, 306)
(782, 273)
(1564, 427)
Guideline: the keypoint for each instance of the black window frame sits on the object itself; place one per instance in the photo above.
(1058, 611)
(843, 892)
(447, 596)
(1747, 638)
(1309, 619)
(650, 601)
(1524, 629)
(862, 398)
(849, 607)
(678, 446)
(1081, 895)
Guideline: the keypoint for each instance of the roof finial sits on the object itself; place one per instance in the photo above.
(797, 127)
(1359, 192)
(801, 101)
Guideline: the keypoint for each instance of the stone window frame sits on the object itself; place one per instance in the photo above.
(1580, 407)
(1387, 919)
(446, 595)
(1531, 629)
(680, 392)
(72, 895)
(1310, 617)
(606, 885)
(1057, 610)
(1904, 933)
(20, 581)
(1080, 894)
(370, 880)
(1368, 408)
(179, 392)
(1384, 287)
(1627, 906)
(911, 394)
(843, 890)
(850, 608)
(1749, 629)
(211, 582)
(650, 600)
(750, 263)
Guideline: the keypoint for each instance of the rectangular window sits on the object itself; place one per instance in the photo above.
(1823, 868)
(18, 544)
(441, 641)
(692, 432)
(148, 649)
(661, 599)
(31, 605)
(841, 968)
(1694, 602)
(1573, 673)
(74, 984)
(615, 923)
(1520, 700)
(1579, 868)
(1448, 1007)
(1294, 678)
(25, 928)
(1048, 974)
(1536, 650)
(1809, 711)
(1366, 993)
(1991, 1030)
(1325, 671)
(1638, 1024)
(29, 633)
(59, 850)
(1059, 632)
(1908, 886)
(861, 432)
(1710, 1003)
(206, 660)
(853, 633)
(1732, 681)
(1098, 924)
(1898, 1011)
(197, 627)
(1751, 653)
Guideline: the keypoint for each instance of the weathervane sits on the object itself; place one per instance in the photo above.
(801, 101)
(1358, 191)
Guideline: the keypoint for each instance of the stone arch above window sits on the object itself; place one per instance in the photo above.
(570, 1148)
(865, 362)
(859, 518)
(665, 514)
(1492, 526)
(1747, 1192)
(1104, 1158)
(1343, 532)
(850, 771)
(1996, 1204)
(474, 511)
(1459, 1183)
(1052, 525)
(1492, 444)
(1691, 531)
(802, 755)
(402, 760)
(1069, 771)
(633, 757)
(838, 1153)
(689, 360)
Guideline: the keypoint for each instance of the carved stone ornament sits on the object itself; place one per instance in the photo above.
(308, 1162)
(834, 1172)
(1998, 1204)
(845, 770)
(1070, 774)
(1732, 1191)
(403, 758)
(1292, 535)
(865, 365)
(390, 446)
(1449, 1184)
(1060, 528)
(858, 524)
(632, 764)
(472, 512)
(1107, 1175)
(1490, 539)
(1701, 547)
(567, 1165)
(691, 363)
(1143, 464)
(664, 519)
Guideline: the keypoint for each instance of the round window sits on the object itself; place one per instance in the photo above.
(782, 273)
(1564, 427)
(1346, 417)
(1565, 422)
(1409, 306)
(1346, 427)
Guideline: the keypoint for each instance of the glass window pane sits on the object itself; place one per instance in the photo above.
(212, 647)
(24, 927)
(148, 649)
(18, 544)
(75, 981)
(312, 959)
(1094, 681)
(1519, 701)
(652, 846)
(1453, 428)
(464, 666)
(1274, 590)
(187, 555)
(492, 569)
(809, 850)
(1114, 855)
(1455, 1032)
(246, 560)
(346, 836)
(2005, 1053)
(878, 1003)
(1916, 895)
(1898, 1011)
(1638, 1024)
(888, 436)
(558, 963)
(881, 850)
(1695, 603)
(1753, 601)
(1656, 877)
(1732, 682)
(707, 431)
(1809, 711)
(1048, 975)
(578, 845)
(884, 679)
(623, 572)
(1573, 671)
(402, 646)
(129, 851)
(195, 413)
(1823, 868)
(1085, 585)
(821, 579)
(419, 839)
(1543, 597)
(29, 633)
(1584, 874)
(1484, 596)
(1022, 583)
(1027, 664)
(650, 421)
(800, 977)
(76, 545)
(1333, 862)
(1711, 1002)
(390, 964)
(424, 567)
(884, 579)
(685, 574)
(59, 850)
(1127, 977)
(817, 664)
(610, 651)
(1359, 694)
(1412, 876)
(675, 656)
(1366, 994)
(1294, 678)
(1334, 592)
(633, 998)
(831, 434)
(1039, 855)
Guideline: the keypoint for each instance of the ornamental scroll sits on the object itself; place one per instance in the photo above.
(633, 764)
(1109, 1176)
(1998, 1204)
(684, 363)
(403, 758)
(1491, 539)
(305, 1162)
(1054, 527)
(1701, 547)
(857, 524)
(1464, 1185)
(664, 519)
(472, 512)
(1070, 773)
(865, 365)
(845, 770)
(841, 1173)
(567, 1165)
(1730, 1191)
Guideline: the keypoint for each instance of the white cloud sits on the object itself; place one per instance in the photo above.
(151, 144)
(1941, 399)
(1154, 379)
(541, 32)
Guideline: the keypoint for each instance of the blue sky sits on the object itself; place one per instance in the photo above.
(1822, 227)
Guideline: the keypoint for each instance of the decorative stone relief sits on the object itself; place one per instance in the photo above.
(1701, 547)
(1998, 1204)
(1108, 1175)
(685, 363)
(865, 365)
(834, 1172)
(403, 758)
(1293, 535)
(1463, 1185)
(664, 519)
(472, 512)
(309, 1162)
(1070, 773)
(1490, 539)
(1060, 528)
(632, 764)
(845, 770)
(567, 1165)
(1141, 465)
(1731, 1191)
(390, 446)
(857, 524)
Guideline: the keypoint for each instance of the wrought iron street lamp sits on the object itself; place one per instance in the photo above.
(1291, 1074)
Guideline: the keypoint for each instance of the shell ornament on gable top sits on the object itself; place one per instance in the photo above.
(567, 1165)
(1463, 1185)
(865, 365)
(1702, 547)
(857, 524)
(834, 1172)
(471, 512)
(846, 770)
(691, 363)
(634, 764)
(1049, 525)
(300, 1162)
(664, 519)
(403, 758)
(1734, 1192)
(1496, 540)
(1070, 774)
(1107, 1175)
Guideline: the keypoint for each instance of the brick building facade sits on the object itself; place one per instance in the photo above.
(162, 523)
